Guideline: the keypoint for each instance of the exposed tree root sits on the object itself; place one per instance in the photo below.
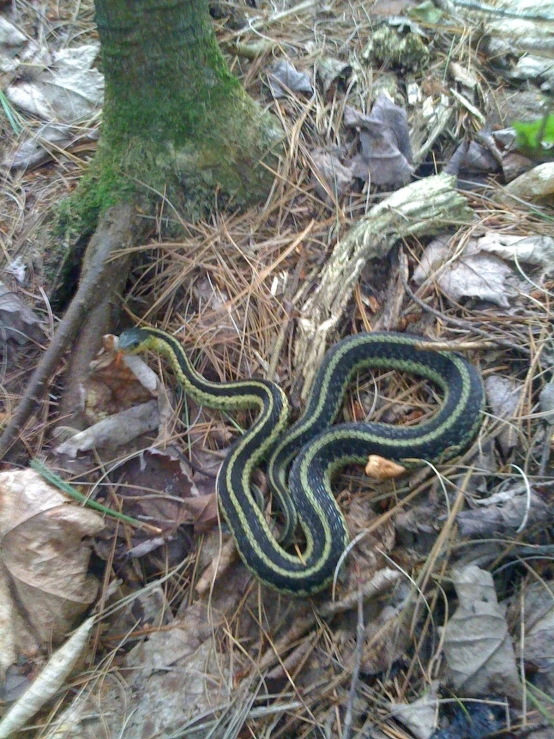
(102, 278)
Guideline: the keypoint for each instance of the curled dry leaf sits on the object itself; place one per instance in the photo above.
(471, 274)
(477, 646)
(503, 396)
(385, 157)
(480, 269)
(380, 468)
(44, 557)
(471, 159)
(536, 251)
(331, 178)
(333, 72)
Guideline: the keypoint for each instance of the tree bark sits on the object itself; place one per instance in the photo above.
(418, 209)
(176, 121)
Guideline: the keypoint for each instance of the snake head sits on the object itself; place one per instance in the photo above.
(132, 340)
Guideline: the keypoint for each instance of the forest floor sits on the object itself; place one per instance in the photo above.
(440, 625)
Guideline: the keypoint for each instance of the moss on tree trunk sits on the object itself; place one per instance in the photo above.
(175, 119)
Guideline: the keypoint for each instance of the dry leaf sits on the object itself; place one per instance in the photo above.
(333, 72)
(159, 487)
(283, 78)
(537, 606)
(503, 513)
(420, 716)
(477, 646)
(385, 157)
(43, 553)
(45, 143)
(503, 396)
(331, 179)
(536, 250)
(472, 160)
(17, 321)
(380, 468)
(11, 37)
(472, 274)
(67, 91)
(117, 382)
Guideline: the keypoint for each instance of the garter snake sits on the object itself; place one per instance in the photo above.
(313, 450)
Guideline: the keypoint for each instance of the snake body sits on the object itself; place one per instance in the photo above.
(303, 459)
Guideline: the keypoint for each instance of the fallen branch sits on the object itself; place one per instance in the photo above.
(419, 209)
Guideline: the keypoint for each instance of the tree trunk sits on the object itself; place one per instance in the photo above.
(176, 121)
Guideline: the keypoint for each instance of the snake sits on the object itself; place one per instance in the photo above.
(302, 458)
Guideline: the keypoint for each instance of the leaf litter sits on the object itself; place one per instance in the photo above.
(442, 579)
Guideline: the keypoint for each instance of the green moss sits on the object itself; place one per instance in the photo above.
(176, 121)
(101, 187)
(394, 49)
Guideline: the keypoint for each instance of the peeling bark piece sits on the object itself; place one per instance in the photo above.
(114, 431)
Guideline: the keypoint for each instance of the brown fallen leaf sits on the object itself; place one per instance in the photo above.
(44, 558)
(160, 487)
(477, 646)
(113, 385)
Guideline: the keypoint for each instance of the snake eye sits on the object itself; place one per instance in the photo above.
(129, 340)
